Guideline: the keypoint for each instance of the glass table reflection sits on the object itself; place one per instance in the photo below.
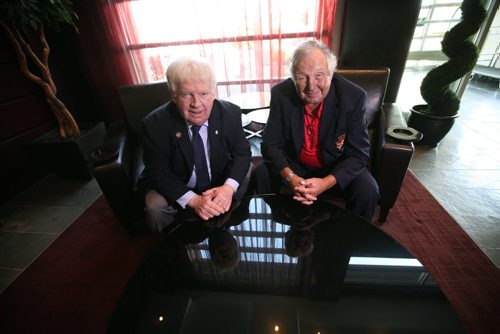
(272, 265)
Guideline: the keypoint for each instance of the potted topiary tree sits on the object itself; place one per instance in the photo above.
(24, 23)
(436, 118)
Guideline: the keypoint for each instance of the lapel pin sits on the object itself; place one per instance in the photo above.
(216, 132)
(178, 134)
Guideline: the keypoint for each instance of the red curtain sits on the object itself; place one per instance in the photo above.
(104, 61)
(249, 42)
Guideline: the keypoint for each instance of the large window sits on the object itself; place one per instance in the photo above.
(249, 42)
(436, 17)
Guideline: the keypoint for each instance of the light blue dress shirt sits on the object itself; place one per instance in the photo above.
(184, 199)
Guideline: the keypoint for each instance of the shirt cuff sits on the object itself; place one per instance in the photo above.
(184, 199)
(233, 183)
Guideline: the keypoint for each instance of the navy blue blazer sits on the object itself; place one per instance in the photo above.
(343, 135)
(168, 153)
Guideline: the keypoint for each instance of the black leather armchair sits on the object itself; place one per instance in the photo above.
(118, 171)
(389, 157)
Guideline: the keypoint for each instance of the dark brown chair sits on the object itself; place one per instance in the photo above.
(390, 158)
(118, 171)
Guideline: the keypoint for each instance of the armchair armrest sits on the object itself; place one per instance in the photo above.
(113, 174)
(392, 158)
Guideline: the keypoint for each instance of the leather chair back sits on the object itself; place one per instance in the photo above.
(139, 100)
(374, 81)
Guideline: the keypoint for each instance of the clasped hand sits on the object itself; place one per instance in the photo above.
(306, 191)
(212, 202)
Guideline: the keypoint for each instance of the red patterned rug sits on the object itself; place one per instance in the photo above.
(73, 286)
(469, 279)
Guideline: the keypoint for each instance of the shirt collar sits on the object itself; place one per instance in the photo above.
(189, 124)
(309, 112)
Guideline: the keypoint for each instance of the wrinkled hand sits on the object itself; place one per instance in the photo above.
(222, 196)
(297, 186)
(308, 190)
(205, 207)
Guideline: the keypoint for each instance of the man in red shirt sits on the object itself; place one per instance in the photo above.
(316, 137)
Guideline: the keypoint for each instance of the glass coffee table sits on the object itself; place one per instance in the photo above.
(272, 265)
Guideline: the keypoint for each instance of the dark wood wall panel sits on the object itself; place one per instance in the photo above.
(18, 169)
(19, 115)
(14, 85)
(23, 114)
(379, 33)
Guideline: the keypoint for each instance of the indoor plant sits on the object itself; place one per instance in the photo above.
(22, 20)
(437, 117)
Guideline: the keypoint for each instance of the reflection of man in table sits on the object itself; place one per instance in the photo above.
(316, 138)
(299, 239)
(224, 249)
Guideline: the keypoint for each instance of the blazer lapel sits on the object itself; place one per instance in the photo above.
(328, 115)
(183, 139)
(297, 125)
(214, 135)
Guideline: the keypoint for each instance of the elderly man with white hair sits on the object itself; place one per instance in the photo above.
(196, 156)
(316, 139)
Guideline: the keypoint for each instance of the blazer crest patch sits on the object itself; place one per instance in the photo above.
(340, 142)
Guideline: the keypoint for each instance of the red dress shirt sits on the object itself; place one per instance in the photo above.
(310, 154)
